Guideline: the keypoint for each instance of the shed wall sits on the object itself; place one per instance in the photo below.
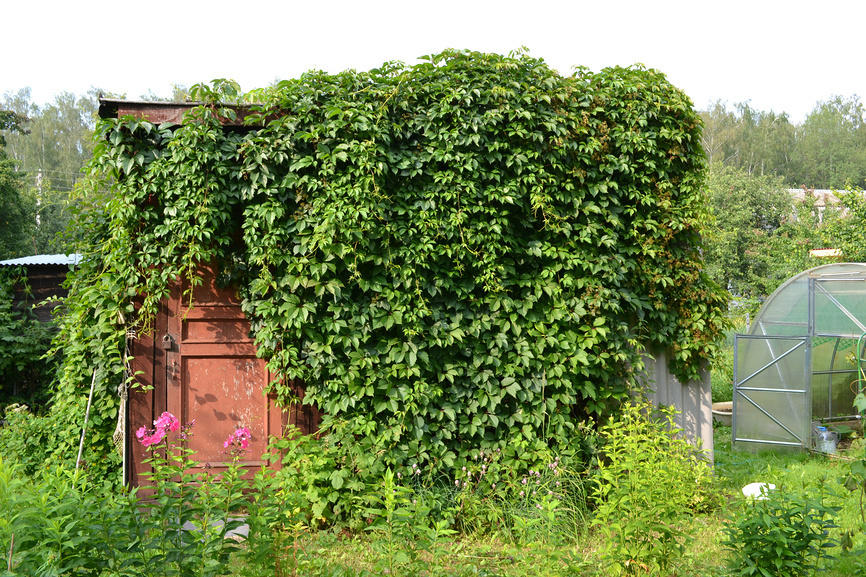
(693, 400)
(200, 363)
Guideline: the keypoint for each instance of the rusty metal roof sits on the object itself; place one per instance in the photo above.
(44, 260)
(159, 112)
(156, 112)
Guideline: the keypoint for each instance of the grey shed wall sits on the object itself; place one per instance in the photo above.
(693, 400)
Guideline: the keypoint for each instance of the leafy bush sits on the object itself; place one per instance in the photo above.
(25, 438)
(24, 373)
(648, 481)
(722, 365)
(309, 479)
(784, 535)
(722, 374)
(59, 523)
(749, 210)
(544, 504)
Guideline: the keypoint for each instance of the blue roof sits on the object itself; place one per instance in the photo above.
(43, 259)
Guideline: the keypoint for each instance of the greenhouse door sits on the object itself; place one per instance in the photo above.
(771, 398)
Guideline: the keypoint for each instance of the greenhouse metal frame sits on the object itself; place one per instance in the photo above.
(802, 360)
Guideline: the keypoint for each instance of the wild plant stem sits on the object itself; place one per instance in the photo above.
(295, 554)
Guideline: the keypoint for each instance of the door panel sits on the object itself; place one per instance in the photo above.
(214, 377)
(771, 397)
(201, 365)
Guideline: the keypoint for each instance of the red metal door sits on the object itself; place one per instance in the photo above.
(202, 365)
(213, 377)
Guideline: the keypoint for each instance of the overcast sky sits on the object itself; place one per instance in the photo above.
(781, 56)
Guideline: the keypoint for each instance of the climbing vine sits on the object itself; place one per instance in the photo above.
(470, 252)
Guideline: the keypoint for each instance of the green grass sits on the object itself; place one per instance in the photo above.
(342, 553)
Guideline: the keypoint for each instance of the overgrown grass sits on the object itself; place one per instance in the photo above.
(341, 553)
(334, 553)
(540, 524)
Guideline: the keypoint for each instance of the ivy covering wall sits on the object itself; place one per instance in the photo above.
(468, 253)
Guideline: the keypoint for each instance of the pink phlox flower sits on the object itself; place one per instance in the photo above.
(239, 438)
(161, 427)
(167, 421)
(153, 437)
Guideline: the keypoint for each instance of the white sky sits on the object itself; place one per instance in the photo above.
(781, 56)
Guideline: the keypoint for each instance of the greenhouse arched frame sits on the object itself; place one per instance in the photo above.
(802, 360)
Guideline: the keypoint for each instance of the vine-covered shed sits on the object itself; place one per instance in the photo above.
(470, 253)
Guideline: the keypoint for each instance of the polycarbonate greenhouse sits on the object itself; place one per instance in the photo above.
(801, 361)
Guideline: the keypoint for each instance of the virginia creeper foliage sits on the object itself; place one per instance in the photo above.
(470, 252)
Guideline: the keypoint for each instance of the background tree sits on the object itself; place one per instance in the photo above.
(10, 122)
(754, 141)
(842, 226)
(830, 147)
(58, 141)
(748, 210)
(179, 93)
(49, 154)
(16, 208)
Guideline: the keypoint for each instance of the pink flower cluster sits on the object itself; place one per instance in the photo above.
(165, 423)
(240, 438)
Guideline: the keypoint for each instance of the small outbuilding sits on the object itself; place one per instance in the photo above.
(201, 362)
(46, 274)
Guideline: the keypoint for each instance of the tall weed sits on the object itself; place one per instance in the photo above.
(649, 481)
(60, 523)
(781, 535)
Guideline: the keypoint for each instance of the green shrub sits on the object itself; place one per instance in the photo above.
(24, 373)
(25, 438)
(648, 481)
(722, 374)
(546, 503)
(59, 523)
(784, 535)
(315, 479)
